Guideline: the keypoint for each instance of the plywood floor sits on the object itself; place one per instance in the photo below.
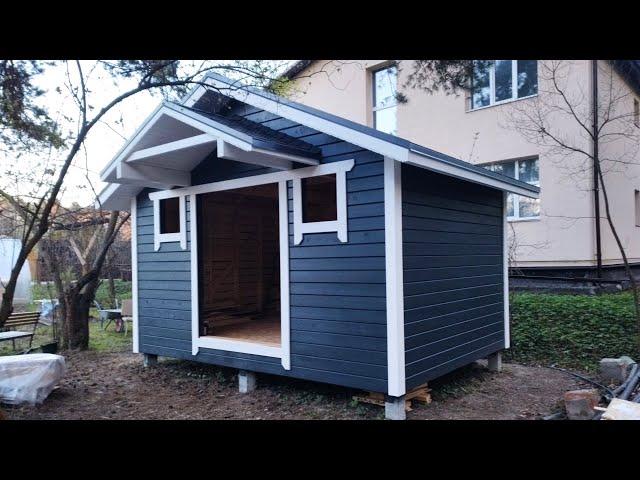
(264, 332)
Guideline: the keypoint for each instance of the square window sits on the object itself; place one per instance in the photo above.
(170, 215)
(319, 199)
(384, 99)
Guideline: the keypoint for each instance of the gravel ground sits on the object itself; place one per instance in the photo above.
(117, 386)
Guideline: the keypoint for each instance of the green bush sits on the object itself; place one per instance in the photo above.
(573, 331)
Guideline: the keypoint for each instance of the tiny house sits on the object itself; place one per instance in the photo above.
(272, 237)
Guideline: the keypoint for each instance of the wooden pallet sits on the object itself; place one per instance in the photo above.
(419, 394)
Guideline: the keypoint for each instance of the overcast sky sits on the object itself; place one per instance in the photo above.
(104, 140)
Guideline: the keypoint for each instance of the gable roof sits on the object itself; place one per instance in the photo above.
(386, 144)
(246, 135)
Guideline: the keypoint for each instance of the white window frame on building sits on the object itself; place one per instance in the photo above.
(516, 198)
(492, 86)
(391, 105)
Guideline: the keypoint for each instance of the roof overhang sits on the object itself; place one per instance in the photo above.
(360, 135)
(171, 142)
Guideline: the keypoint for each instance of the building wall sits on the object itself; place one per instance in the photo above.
(564, 234)
(337, 291)
(453, 273)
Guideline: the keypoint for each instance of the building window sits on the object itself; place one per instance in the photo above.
(519, 207)
(636, 112)
(384, 99)
(319, 199)
(170, 215)
(637, 202)
(169, 221)
(498, 81)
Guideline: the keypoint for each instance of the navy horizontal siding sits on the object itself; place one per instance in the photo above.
(337, 291)
(453, 273)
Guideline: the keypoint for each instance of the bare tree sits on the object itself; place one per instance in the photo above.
(571, 123)
(27, 126)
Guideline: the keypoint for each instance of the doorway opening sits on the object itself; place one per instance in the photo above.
(239, 265)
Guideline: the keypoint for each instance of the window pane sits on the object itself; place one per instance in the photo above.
(170, 215)
(529, 207)
(504, 80)
(319, 199)
(385, 81)
(480, 95)
(527, 77)
(504, 168)
(510, 200)
(528, 171)
(385, 120)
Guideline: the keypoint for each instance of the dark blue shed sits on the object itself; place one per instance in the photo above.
(272, 237)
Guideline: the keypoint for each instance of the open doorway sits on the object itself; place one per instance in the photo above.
(239, 265)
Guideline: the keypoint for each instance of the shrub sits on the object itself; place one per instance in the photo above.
(574, 331)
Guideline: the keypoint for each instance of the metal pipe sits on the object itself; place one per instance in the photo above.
(596, 180)
(588, 380)
(631, 385)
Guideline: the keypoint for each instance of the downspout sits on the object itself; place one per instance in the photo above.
(596, 181)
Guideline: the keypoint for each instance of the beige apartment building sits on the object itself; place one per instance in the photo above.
(496, 122)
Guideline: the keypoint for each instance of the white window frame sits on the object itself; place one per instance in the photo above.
(376, 109)
(492, 88)
(339, 225)
(181, 236)
(516, 198)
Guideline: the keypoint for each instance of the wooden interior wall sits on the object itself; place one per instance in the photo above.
(239, 252)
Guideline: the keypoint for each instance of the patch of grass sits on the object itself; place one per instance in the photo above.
(573, 331)
(99, 340)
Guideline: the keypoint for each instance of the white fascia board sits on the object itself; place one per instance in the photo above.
(130, 145)
(429, 163)
(183, 144)
(339, 131)
(147, 175)
(117, 197)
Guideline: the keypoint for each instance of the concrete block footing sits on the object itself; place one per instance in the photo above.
(246, 381)
(149, 359)
(394, 408)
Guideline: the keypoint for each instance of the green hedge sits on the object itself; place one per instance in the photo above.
(574, 331)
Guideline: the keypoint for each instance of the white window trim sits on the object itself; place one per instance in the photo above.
(492, 88)
(181, 236)
(339, 225)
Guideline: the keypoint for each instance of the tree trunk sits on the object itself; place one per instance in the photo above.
(76, 317)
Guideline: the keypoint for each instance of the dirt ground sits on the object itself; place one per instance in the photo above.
(117, 386)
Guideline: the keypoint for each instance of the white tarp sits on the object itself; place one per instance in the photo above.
(9, 250)
(29, 378)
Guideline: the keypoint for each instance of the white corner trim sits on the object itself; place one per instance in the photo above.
(195, 302)
(505, 261)
(285, 313)
(134, 274)
(180, 236)
(394, 277)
